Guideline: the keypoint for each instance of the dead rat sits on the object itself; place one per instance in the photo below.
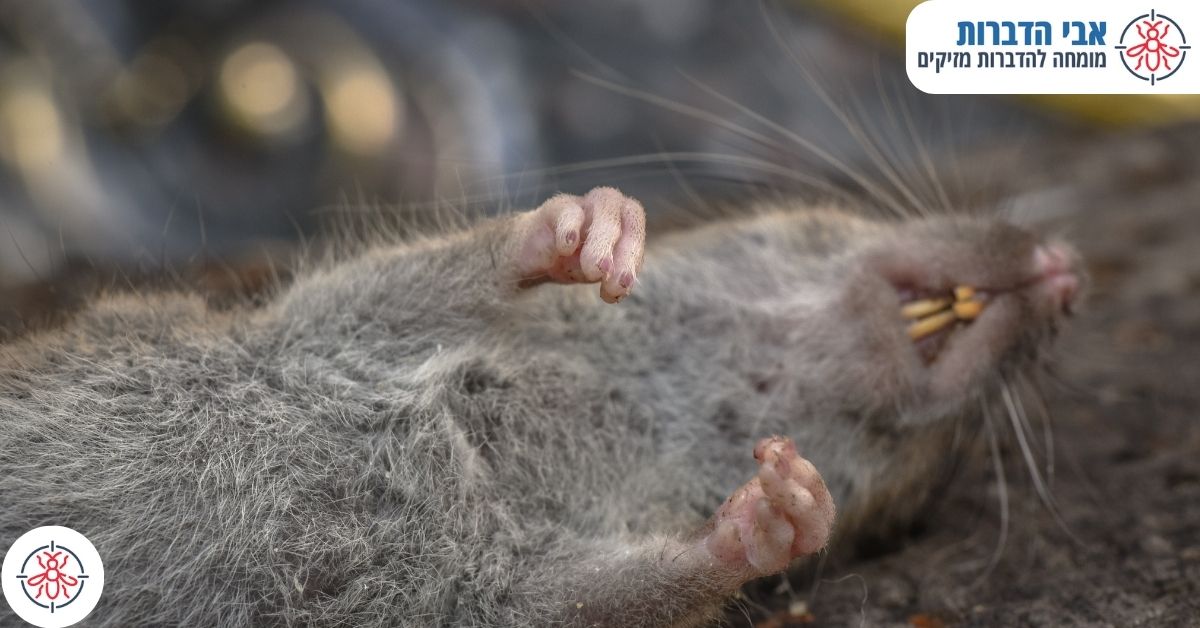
(426, 436)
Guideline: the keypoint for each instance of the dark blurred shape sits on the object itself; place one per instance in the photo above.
(134, 134)
(137, 134)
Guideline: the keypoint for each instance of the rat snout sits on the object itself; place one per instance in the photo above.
(1057, 274)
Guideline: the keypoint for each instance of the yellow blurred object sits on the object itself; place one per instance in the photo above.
(262, 90)
(362, 110)
(31, 128)
(887, 18)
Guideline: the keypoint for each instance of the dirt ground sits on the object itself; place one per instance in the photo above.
(1124, 405)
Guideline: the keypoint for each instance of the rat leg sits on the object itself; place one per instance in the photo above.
(598, 237)
(784, 512)
(454, 281)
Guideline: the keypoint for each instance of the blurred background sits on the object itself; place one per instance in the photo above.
(136, 134)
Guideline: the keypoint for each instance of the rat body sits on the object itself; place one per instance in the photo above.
(425, 436)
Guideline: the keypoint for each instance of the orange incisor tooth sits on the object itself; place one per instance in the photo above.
(931, 324)
(924, 307)
(968, 310)
(966, 306)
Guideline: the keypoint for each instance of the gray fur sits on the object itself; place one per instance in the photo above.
(406, 438)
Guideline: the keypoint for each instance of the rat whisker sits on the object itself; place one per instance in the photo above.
(856, 130)
(742, 606)
(670, 160)
(1043, 414)
(1064, 385)
(708, 116)
(897, 166)
(822, 562)
(1022, 419)
(1015, 414)
(1019, 424)
(1094, 493)
(1002, 494)
(568, 42)
(697, 113)
(695, 199)
(866, 593)
(745, 161)
(924, 158)
(886, 162)
(822, 154)
(903, 169)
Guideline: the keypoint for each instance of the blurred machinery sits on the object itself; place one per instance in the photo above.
(140, 132)
(135, 134)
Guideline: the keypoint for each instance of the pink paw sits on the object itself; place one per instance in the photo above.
(783, 513)
(598, 237)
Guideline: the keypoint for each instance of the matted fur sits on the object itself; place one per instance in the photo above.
(403, 438)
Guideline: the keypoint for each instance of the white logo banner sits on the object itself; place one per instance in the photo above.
(1053, 47)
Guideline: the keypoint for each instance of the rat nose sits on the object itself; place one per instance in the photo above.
(1056, 276)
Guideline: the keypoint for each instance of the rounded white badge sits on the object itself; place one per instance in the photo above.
(52, 577)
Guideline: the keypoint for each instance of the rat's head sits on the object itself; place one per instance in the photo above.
(952, 304)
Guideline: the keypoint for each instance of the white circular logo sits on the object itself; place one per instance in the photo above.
(52, 577)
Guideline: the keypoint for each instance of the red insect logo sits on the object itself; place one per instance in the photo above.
(48, 583)
(1153, 52)
(52, 583)
(1157, 51)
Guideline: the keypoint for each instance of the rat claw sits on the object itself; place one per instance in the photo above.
(783, 512)
(596, 238)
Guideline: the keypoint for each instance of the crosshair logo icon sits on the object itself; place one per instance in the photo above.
(1153, 47)
(52, 583)
(52, 577)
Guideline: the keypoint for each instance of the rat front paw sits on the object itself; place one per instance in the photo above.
(783, 513)
(598, 237)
